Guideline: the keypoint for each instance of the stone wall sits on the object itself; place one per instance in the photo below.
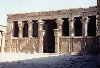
(24, 45)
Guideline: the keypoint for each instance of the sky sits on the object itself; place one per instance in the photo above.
(26, 6)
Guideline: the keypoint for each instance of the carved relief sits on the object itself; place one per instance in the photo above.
(64, 45)
(77, 45)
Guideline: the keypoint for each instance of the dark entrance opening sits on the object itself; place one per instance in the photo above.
(15, 29)
(49, 38)
(25, 29)
(35, 28)
(78, 27)
(92, 26)
(65, 27)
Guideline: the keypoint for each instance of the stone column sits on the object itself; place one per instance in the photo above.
(98, 6)
(59, 26)
(98, 20)
(11, 32)
(3, 42)
(99, 31)
(30, 29)
(20, 25)
(97, 25)
(56, 34)
(84, 22)
(41, 34)
(71, 25)
(86, 26)
(84, 31)
(71, 32)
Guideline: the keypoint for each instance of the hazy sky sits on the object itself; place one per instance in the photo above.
(25, 6)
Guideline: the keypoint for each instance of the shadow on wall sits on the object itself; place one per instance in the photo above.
(92, 47)
(60, 61)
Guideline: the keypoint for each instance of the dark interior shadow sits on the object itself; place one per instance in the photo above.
(91, 48)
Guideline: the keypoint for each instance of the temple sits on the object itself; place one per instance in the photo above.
(63, 31)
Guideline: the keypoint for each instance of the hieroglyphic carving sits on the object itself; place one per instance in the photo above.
(77, 45)
(64, 45)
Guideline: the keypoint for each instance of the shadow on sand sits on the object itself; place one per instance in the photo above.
(60, 61)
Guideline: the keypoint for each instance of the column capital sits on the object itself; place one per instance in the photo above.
(97, 17)
(59, 22)
(56, 32)
(3, 34)
(87, 20)
(34, 22)
(29, 22)
(71, 20)
(20, 24)
(41, 22)
(83, 20)
(42, 32)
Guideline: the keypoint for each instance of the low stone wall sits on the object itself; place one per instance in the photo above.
(92, 45)
(64, 45)
(23, 45)
(79, 45)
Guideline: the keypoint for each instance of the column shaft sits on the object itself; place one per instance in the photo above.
(84, 32)
(71, 21)
(30, 29)
(98, 20)
(41, 34)
(86, 27)
(3, 42)
(56, 34)
(59, 24)
(71, 32)
(20, 25)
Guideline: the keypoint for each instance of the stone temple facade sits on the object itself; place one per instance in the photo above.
(63, 31)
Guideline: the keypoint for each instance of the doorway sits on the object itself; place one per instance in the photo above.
(49, 38)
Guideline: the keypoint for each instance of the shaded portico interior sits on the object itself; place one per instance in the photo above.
(49, 38)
